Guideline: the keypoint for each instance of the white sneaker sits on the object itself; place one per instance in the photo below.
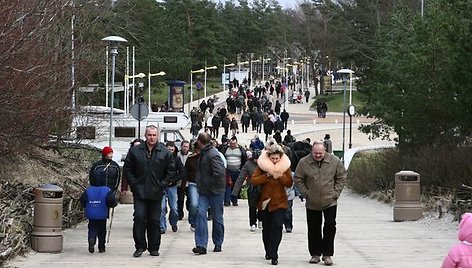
(259, 224)
(253, 228)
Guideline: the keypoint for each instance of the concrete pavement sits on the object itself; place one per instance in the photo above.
(367, 236)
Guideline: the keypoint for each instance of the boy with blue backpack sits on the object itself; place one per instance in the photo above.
(97, 199)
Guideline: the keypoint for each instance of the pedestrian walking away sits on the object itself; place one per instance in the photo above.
(97, 199)
(211, 183)
(149, 168)
(320, 178)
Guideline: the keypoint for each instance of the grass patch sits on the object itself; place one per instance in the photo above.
(335, 100)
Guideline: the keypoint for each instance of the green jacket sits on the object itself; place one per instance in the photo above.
(321, 184)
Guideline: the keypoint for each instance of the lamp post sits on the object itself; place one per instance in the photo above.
(113, 42)
(239, 67)
(161, 73)
(250, 74)
(205, 83)
(199, 71)
(224, 74)
(263, 69)
(344, 73)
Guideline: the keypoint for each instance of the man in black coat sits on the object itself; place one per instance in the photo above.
(149, 168)
(284, 117)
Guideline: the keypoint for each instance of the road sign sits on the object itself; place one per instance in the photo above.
(199, 86)
(139, 111)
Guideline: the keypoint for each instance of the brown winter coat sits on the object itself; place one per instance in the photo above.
(274, 179)
(321, 185)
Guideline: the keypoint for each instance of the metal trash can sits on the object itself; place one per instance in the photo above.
(47, 222)
(407, 205)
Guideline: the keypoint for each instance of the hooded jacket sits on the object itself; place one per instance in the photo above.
(273, 178)
(460, 255)
(96, 200)
(320, 183)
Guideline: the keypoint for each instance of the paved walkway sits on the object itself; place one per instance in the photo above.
(367, 236)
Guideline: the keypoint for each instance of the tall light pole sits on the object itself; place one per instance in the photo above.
(250, 74)
(199, 71)
(263, 69)
(224, 74)
(205, 83)
(344, 73)
(113, 42)
(161, 73)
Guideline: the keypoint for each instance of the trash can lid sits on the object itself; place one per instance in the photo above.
(407, 173)
(50, 187)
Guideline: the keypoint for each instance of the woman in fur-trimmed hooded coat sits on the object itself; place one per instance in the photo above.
(273, 174)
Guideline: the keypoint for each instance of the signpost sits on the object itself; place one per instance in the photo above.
(139, 111)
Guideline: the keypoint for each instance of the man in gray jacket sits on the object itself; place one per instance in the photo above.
(211, 184)
(149, 168)
(320, 177)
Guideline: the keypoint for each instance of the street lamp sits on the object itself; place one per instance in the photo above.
(250, 74)
(239, 66)
(344, 73)
(113, 42)
(161, 73)
(199, 71)
(263, 70)
(205, 84)
(224, 74)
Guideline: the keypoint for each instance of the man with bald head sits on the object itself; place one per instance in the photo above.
(320, 178)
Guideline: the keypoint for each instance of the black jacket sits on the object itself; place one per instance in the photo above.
(211, 174)
(149, 175)
(107, 170)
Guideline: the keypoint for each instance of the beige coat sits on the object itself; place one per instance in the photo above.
(274, 179)
(321, 185)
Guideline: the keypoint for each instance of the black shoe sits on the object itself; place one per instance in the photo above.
(138, 253)
(274, 262)
(91, 246)
(235, 204)
(101, 250)
(154, 253)
(175, 228)
(199, 250)
(227, 204)
(163, 231)
(267, 257)
(217, 249)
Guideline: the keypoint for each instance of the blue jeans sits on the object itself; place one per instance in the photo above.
(288, 219)
(192, 198)
(215, 202)
(170, 196)
(146, 222)
(229, 189)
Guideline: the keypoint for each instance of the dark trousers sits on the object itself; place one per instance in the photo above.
(229, 189)
(272, 224)
(321, 243)
(181, 201)
(147, 214)
(254, 215)
(97, 228)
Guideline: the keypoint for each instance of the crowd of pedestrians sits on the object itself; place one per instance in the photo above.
(212, 171)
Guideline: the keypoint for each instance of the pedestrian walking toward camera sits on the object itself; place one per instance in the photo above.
(97, 199)
(307, 95)
(328, 144)
(149, 168)
(106, 169)
(273, 174)
(460, 255)
(245, 176)
(320, 177)
(211, 183)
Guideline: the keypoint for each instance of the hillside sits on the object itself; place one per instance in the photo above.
(21, 174)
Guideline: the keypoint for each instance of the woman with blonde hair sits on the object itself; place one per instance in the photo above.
(273, 174)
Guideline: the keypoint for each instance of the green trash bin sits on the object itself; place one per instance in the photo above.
(338, 153)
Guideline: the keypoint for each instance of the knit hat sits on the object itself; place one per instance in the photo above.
(106, 150)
